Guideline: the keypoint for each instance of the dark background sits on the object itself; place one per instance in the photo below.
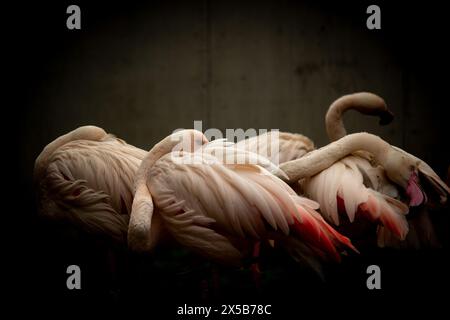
(141, 70)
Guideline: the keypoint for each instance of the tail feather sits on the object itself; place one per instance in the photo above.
(390, 212)
(319, 235)
(421, 234)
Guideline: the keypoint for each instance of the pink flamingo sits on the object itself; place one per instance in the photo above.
(222, 210)
(86, 177)
(358, 186)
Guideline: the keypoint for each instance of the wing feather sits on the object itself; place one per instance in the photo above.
(208, 203)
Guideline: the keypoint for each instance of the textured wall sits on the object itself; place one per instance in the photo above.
(145, 71)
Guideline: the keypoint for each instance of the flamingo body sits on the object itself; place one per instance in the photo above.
(278, 147)
(353, 186)
(220, 209)
(88, 180)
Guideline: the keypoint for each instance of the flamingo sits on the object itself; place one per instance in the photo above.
(216, 209)
(399, 166)
(222, 210)
(357, 186)
(86, 177)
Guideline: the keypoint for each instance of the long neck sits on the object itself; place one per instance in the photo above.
(82, 133)
(320, 159)
(363, 102)
(142, 235)
(160, 149)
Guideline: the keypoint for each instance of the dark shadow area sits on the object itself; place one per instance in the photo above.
(196, 64)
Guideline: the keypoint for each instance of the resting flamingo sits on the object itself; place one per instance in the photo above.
(358, 187)
(222, 210)
(86, 177)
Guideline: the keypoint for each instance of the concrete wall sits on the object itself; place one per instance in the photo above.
(153, 68)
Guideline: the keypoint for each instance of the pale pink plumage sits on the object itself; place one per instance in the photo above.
(269, 144)
(421, 233)
(88, 181)
(362, 187)
(354, 186)
(220, 210)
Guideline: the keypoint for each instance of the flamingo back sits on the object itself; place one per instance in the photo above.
(218, 208)
(278, 147)
(91, 184)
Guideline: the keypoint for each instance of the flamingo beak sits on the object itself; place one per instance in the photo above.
(414, 191)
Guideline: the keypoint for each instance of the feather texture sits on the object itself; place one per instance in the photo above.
(90, 183)
(278, 147)
(360, 185)
(218, 208)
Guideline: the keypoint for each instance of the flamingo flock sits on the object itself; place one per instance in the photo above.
(223, 210)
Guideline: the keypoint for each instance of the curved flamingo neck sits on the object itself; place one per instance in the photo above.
(186, 140)
(140, 237)
(363, 102)
(320, 159)
(160, 149)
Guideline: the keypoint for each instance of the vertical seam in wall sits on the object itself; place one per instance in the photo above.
(208, 61)
(405, 104)
(291, 33)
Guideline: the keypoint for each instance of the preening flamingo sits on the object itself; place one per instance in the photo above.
(364, 102)
(353, 185)
(222, 209)
(398, 168)
(358, 186)
(87, 177)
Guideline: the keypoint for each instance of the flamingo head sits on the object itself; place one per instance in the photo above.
(187, 140)
(414, 176)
